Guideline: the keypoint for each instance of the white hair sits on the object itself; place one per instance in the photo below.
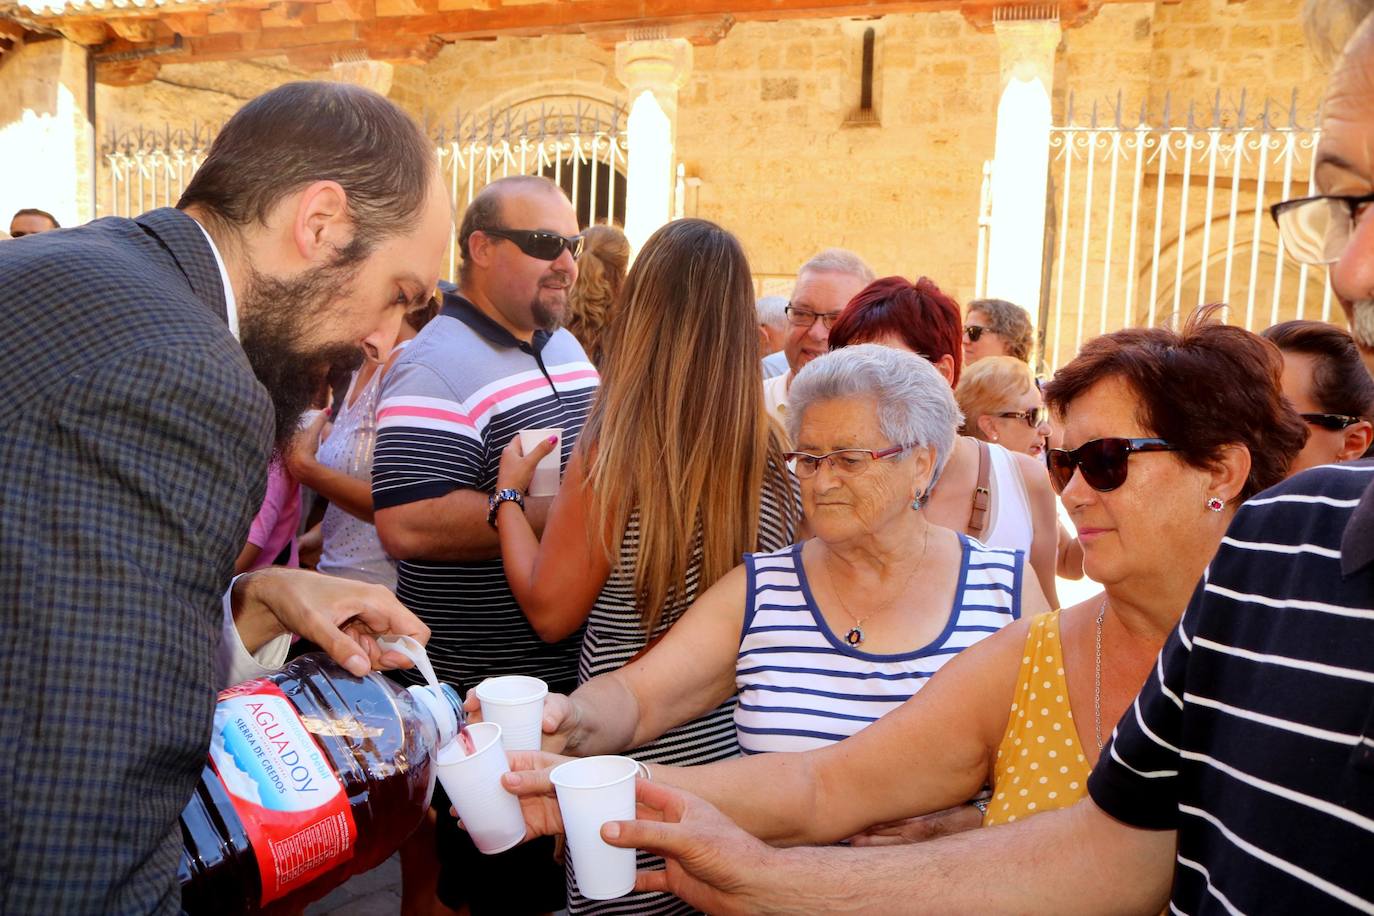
(840, 261)
(772, 311)
(915, 404)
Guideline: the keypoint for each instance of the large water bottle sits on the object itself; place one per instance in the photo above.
(314, 776)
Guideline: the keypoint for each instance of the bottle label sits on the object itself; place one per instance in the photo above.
(292, 805)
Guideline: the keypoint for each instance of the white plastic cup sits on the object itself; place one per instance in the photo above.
(546, 472)
(516, 703)
(592, 791)
(489, 813)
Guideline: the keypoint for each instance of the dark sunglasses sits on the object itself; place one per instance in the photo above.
(973, 332)
(1332, 421)
(1033, 417)
(546, 246)
(1102, 462)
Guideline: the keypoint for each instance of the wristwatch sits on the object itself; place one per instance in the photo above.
(495, 500)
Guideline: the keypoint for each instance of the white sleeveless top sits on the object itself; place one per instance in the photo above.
(1011, 513)
(802, 687)
(351, 547)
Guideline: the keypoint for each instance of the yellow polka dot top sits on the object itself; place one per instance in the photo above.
(1040, 764)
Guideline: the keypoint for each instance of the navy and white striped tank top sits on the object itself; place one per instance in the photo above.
(802, 687)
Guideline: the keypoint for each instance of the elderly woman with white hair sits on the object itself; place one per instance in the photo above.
(824, 637)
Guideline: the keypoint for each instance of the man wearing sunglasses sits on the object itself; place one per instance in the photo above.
(825, 284)
(1326, 382)
(1242, 777)
(494, 362)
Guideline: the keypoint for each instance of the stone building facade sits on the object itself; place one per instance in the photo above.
(765, 128)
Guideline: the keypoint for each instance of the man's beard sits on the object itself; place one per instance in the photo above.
(276, 315)
(546, 316)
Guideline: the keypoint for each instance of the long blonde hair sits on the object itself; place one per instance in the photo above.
(678, 430)
(600, 274)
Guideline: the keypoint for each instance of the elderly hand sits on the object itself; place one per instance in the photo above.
(340, 616)
(517, 468)
(712, 864)
(561, 716)
(919, 829)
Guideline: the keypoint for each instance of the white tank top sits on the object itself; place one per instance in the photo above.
(1011, 526)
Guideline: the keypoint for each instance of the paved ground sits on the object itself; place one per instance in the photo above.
(375, 893)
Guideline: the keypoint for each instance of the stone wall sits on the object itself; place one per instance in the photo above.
(764, 118)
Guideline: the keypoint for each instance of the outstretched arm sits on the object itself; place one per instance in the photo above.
(1076, 860)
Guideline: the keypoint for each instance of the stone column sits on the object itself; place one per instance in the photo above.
(45, 132)
(652, 69)
(1020, 174)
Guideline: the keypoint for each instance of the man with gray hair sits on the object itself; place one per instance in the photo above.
(825, 284)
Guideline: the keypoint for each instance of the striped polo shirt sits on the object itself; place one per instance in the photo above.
(457, 396)
(1254, 739)
(801, 686)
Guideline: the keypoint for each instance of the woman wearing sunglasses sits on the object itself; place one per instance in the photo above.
(993, 493)
(1168, 433)
(1001, 403)
(996, 327)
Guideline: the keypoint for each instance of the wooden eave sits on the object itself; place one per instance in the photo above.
(130, 39)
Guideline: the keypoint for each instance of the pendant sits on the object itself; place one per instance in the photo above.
(855, 636)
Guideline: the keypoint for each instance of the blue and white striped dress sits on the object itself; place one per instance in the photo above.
(802, 687)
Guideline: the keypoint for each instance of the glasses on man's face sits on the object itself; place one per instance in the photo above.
(537, 243)
(846, 462)
(974, 331)
(1316, 230)
(1102, 462)
(1032, 418)
(1335, 422)
(805, 318)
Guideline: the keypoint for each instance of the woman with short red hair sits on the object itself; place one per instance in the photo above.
(999, 497)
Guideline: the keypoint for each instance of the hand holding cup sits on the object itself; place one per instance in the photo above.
(519, 461)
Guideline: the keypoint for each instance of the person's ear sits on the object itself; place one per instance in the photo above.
(1229, 473)
(987, 430)
(1356, 441)
(322, 227)
(481, 248)
(925, 470)
(945, 366)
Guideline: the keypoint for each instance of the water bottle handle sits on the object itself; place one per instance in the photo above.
(411, 649)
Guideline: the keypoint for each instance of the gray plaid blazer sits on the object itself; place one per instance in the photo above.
(133, 453)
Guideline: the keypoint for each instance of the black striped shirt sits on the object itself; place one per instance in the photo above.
(1255, 737)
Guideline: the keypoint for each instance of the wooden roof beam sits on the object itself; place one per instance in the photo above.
(188, 25)
(584, 15)
(89, 32)
(136, 31)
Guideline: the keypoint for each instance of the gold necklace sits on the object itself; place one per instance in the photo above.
(855, 636)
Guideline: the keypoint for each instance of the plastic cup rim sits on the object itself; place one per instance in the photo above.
(636, 769)
(478, 747)
(538, 693)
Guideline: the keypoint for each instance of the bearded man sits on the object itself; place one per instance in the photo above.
(134, 459)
